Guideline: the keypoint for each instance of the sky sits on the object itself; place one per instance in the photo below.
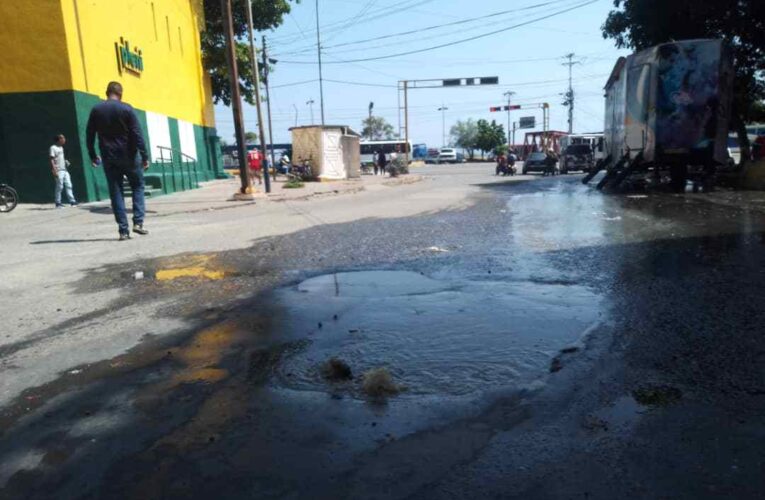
(527, 57)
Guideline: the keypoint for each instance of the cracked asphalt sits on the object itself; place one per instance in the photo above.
(544, 341)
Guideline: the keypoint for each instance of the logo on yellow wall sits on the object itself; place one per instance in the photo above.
(128, 60)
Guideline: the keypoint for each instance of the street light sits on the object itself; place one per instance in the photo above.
(443, 110)
(310, 103)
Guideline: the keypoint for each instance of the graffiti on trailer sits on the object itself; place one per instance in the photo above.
(688, 94)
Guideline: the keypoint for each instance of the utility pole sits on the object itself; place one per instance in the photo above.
(268, 104)
(321, 80)
(236, 98)
(570, 94)
(256, 75)
(443, 110)
(309, 103)
(515, 126)
(509, 94)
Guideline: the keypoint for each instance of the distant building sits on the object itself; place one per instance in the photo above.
(57, 58)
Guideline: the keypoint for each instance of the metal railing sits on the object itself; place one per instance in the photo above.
(179, 163)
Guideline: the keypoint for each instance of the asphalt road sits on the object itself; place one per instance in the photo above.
(543, 340)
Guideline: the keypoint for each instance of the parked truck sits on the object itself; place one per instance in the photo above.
(667, 115)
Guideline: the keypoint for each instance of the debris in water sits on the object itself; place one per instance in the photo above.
(437, 249)
(569, 350)
(74, 372)
(320, 325)
(138, 275)
(378, 383)
(335, 369)
(657, 395)
(334, 317)
(556, 365)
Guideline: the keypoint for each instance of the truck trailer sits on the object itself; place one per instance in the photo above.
(667, 115)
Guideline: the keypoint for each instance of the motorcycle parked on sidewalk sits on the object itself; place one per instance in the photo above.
(9, 198)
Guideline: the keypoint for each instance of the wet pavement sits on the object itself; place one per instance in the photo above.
(544, 341)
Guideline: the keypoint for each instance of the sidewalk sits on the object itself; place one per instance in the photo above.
(218, 195)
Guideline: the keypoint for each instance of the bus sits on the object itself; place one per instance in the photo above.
(369, 148)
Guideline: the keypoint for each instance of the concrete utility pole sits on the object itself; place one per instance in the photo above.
(256, 75)
(443, 109)
(369, 124)
(509, 94)
(236, 97)
(570, 94)
(309, 103)
(318, 48)
(268, 104)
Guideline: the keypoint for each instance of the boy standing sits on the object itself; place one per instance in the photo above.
(58, 165)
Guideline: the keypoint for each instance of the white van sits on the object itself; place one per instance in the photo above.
(447, 155)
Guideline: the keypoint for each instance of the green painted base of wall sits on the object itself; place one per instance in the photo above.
(29, 122)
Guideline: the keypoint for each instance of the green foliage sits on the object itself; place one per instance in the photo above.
(293, 184)
(639, 24)
(266, 14)
(250, 137)
(464, 134)
(375, 128)
(490, 135)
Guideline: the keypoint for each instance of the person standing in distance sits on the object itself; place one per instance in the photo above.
(58, 165)
(120, 141)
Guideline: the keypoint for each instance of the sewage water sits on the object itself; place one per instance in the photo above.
(436, 336)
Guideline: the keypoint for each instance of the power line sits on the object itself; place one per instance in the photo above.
(456, 42)
(383, 11)
(429, 28)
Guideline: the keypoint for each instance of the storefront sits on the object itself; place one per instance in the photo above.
(59, 55)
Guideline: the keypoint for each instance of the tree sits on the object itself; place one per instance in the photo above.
(376, 128)
(250, 137)
(465, 135)
(266, 14)
(490, 136)
(639, 24)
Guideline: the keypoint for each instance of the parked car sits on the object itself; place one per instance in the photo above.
(577, 157)
(540, 162)
(447, 155)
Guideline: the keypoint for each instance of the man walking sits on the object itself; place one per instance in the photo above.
(58, 165)
(120, 141)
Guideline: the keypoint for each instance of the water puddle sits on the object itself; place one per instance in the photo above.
(435, 336)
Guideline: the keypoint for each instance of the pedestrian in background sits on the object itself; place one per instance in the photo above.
(255, 163)
(381, 163)
(58, 165)
(120, 141)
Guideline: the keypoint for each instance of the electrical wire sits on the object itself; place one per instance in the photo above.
(455, 42)
(428, 28)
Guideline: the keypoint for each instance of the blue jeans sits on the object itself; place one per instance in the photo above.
(115, 171)
(64, 183)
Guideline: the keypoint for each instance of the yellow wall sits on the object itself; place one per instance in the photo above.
(173, 81)
(33, 47)
(69, 45)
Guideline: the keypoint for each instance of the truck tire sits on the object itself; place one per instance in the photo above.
(678, 178)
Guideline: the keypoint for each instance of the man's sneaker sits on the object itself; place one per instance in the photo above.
(75, 204)
(124, 236)
(138, 228)
(59, 205)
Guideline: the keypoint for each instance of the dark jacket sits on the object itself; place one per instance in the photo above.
(381, 160)
(119, 133)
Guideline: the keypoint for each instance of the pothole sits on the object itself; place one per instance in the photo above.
(451, 337)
